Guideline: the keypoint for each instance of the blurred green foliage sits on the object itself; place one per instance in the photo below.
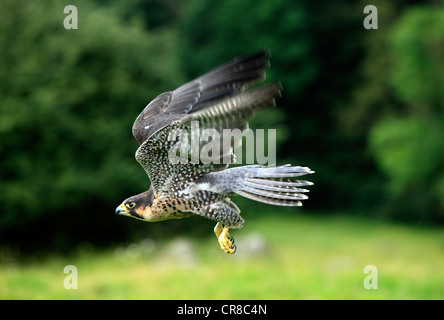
(363, 108)
(222, 29)
(400, 109)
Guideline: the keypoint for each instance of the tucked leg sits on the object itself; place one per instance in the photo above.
(227, 216)
(218, 229)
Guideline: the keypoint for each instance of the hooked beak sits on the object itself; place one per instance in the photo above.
(122, 211)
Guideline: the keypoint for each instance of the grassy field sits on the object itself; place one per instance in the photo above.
(280, 256)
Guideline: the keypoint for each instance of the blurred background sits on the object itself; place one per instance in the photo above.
(363, 108)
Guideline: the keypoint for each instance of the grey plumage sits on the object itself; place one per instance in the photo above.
(270, 185)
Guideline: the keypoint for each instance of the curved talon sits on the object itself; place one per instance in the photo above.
(226, 242)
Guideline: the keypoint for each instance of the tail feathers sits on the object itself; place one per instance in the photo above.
(267, 200)
(282, 182)
(273, 186)
(285, 171)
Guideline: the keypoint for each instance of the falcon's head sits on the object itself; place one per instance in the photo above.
(138, 206)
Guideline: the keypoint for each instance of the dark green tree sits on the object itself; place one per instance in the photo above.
(68, 101)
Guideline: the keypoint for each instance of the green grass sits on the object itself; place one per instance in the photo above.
(297, 257)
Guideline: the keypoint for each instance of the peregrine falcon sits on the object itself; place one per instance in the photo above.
(220, 99)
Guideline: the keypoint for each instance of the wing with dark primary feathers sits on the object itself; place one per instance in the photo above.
(217, 100)
(224, 81)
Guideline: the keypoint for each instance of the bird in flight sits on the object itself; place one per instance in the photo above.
(218, 100)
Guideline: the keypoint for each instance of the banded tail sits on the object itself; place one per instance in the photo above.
(275, 185)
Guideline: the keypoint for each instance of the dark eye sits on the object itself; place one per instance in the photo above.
(130, 204)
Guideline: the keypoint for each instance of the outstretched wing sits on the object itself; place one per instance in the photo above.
(207, 131)
(224, 81)
(217, 101)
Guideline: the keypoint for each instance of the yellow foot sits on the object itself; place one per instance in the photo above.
(225, 241)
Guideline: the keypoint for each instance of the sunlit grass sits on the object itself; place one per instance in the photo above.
(279, 256)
